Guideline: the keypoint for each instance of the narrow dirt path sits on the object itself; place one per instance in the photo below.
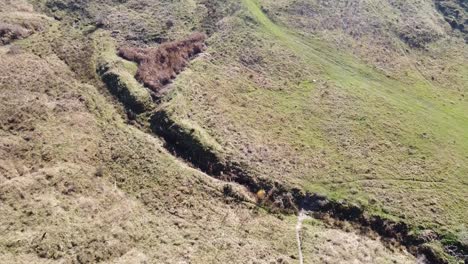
(300, 217)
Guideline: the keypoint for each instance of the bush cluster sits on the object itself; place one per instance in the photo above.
(10, 32)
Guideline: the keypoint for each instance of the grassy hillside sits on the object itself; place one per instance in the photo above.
(364, 103)
(310, 115)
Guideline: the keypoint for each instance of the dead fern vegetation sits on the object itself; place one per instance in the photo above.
(157, 66)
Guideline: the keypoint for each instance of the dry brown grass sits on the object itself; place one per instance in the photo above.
(337, 246)
(158, 66)
(58, 209)
(68, 213)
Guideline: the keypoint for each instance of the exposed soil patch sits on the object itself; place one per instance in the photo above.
(300, 218)
(158, 66)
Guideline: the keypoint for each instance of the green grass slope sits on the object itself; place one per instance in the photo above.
(297, 110)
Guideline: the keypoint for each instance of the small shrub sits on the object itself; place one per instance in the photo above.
(261, 195)
(10, 32)
(158, 66)
(101, 21)
(227, 190)
(99, 171)
(169, 23)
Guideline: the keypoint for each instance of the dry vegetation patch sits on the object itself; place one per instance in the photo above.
(18, 21)
(78, 186)
(10, 32)
(336, 246)
(158, 66)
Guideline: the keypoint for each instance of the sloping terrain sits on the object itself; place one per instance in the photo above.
(306, 114)
(355, 111)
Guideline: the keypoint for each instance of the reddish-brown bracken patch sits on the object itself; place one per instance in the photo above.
(157, 66)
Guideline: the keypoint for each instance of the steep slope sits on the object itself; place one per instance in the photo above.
(359, 103)
(79, 185)
(306, 114)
